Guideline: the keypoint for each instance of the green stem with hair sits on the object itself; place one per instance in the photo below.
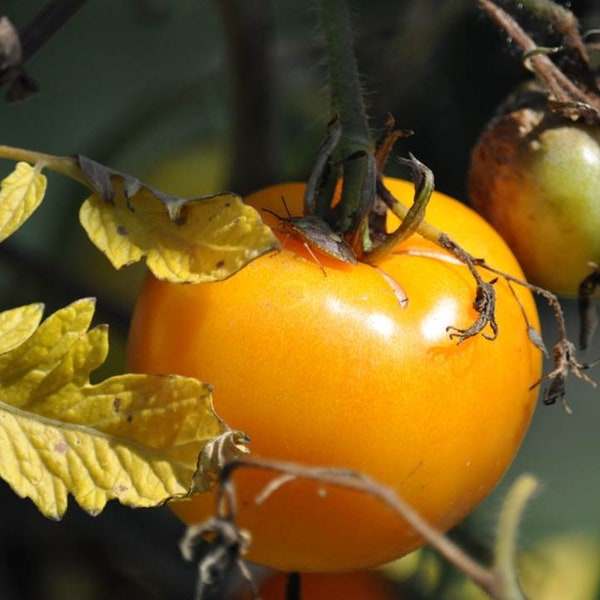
(347, 104)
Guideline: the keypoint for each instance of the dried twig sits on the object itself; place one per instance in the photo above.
(499, 581)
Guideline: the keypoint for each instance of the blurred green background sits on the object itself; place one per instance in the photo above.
(149, 87)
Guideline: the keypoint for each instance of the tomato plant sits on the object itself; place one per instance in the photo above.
(330, 370)
(536, 180)
(357, 585)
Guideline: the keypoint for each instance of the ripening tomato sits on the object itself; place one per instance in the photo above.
(536, 180)
(357, 585)
(332, 370)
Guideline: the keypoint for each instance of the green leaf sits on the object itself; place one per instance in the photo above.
(21, 193)
(184, 241)
(139, 439)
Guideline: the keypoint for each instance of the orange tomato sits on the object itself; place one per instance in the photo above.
(357, 585)
(330, 370)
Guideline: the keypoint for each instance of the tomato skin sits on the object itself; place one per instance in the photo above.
(331, 371)
(358, 585)
(536, 181)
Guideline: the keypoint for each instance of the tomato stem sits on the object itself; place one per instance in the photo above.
(412, 218)
(563, 21)
(348, 105)
(570, 98)
(65, 165)
(293, 586)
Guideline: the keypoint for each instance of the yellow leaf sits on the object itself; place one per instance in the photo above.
(17, 324)
(184, 241)
(135, 438)
(20, 194)
(24, 368)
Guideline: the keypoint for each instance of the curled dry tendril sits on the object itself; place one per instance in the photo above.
(563, 351)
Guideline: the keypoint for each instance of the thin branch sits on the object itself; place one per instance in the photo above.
(566, 25)
(560, 87)
(46, 23)
(359, 482)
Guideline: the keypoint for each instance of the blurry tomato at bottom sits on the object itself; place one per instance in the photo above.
(357, 585)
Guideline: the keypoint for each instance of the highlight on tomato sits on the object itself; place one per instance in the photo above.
(321, 364)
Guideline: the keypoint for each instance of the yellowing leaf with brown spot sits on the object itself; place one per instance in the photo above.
(134, 438)
(184, 241)
(21, 193)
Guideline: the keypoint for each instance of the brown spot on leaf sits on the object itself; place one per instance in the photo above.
(181, 220)
(117, 404)
(181, 216)
(220, 264)
(61, 447)
(122, 230)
